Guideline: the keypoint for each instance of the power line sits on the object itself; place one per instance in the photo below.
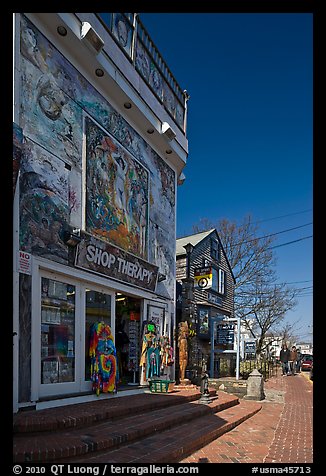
(283, 216)
(272, 234)
(290, 242)
(297, 282)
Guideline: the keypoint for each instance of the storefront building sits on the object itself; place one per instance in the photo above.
(99, 148)
(205, 298)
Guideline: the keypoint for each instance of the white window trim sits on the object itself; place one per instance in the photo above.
(221, 281)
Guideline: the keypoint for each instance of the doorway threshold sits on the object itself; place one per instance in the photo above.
(91, 397)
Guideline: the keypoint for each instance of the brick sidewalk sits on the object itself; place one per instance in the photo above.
(280, 433)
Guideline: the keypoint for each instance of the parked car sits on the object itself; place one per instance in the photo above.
(306, 363)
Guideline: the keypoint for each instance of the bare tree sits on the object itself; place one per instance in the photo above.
(259, 302)
(288, 332)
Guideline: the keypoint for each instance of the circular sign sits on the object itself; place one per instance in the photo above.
(202, 282)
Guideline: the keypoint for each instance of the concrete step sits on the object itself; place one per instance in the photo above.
(174, 444)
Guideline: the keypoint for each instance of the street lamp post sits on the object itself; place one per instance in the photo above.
(189, 248)
(204, 390)
(238, 349)
(187, 296)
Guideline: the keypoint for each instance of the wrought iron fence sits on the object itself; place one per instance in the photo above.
(268, 368)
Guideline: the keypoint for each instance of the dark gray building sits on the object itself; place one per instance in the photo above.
(205, 297)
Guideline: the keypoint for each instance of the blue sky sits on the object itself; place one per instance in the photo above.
(249, 76)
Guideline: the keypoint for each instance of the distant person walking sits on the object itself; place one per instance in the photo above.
(293, 360)
(284, 358)
(298, 363)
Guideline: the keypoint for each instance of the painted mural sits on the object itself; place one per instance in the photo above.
(43, 203)
(53, 121)
(149, 71)
(122, 30)
(54, 100)
(116, 192)
(17, 153)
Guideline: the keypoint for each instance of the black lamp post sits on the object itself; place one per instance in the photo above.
(188, 247)
(187, 295)
(204, 390)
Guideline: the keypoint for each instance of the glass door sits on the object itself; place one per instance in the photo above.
(59, 343)
(97, 303)
(68, 308)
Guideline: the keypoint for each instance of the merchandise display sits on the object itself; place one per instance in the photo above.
(156, 353)
(104, 369)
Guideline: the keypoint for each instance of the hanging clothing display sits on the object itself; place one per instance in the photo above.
(166, 352)
(104, 369)
(156, 353)
(153, 363)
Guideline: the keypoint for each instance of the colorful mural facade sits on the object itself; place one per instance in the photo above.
(17, 153)
(149, 71)
(116, 192)
(44, 207)
(130, 199)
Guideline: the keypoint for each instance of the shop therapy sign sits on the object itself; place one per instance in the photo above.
(106, 259)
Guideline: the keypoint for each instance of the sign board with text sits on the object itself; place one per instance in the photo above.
(203, 277)
(24, 262)
(105, 259)
(225, 333)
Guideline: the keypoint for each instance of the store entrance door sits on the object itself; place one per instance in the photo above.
(128, 310)
(215, 352)
(68, 308)
(98, 308)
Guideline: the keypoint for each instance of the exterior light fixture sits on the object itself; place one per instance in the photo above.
(189, 247)
(168, 151)
(150, 131)
(127, 105)
(181, 178)
(62, 31)
(161, 277)
(99, 72)
(90, 37)
(72, 238)
(168, 132)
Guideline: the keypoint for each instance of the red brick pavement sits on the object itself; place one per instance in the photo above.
(280, 433)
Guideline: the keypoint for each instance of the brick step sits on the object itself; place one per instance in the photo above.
(85, 414)
(174, 444)
(77, 442)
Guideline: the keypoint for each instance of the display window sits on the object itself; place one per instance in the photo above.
(67, 310)
(203, 330)
(57, 331)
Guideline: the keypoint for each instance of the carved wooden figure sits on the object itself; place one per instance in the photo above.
(183, 348)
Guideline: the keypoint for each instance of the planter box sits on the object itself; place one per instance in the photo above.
(161, 386)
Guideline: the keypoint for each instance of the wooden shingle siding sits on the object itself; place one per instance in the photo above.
(202, 251)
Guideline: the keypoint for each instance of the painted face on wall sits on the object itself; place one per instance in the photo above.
(122, 33)
(50, 99)
(28, 39)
